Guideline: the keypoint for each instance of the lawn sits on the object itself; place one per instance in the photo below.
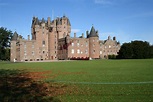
(82, 81)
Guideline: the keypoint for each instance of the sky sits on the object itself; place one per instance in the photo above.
(128, 20)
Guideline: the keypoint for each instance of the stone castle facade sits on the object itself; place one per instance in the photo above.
(51, 41)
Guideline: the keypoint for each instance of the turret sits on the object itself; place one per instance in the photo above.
(48, 21)
(94, 47)
(13, 47)
(114, 38)
(82, 35)
(87, 34)
(59, 23)
(15, 36)
(93, 33)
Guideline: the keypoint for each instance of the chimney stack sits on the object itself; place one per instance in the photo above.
(48, 20)
(114, 38)
(87, 33)
(82, 35)
(74, 35)
(109, 38)
(28, 37)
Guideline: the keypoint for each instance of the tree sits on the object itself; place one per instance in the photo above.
(126, 51)
(140, 49)
(5, 37)
(151, 51)
(135, 50)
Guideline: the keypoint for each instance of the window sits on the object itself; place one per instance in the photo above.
(93, 51)
(72, 51)
(43, 52)
(72, 44)
(78, 44)
(78, 51)
(86, 51)
(33, 53)
(25, 53)
(43, 43)
(93, 45)
(81, 52)
(86, 43)
(100, 52)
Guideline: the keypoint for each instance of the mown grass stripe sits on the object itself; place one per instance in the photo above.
(102, 83)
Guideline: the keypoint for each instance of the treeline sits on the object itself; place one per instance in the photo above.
(5, 37)
(135, 50)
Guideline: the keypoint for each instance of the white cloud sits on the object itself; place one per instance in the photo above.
(107, 33)
(111, 2)
(141, 15)
(75, 30)
(104, 2)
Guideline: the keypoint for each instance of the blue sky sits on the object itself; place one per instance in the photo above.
(126, 19)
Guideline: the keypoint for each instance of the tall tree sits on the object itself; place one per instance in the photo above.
(135, 50)
(5, 37)
(140, 49)
(151, 51)
(126, 51)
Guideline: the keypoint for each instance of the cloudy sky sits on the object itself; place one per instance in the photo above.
(126, 19)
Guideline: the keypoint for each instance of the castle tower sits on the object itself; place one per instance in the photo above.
(94, 47)
(39, 31)
(13, 56)
(63, 27)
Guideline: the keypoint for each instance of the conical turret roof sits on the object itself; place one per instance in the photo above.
(93, 33)
(15, 36)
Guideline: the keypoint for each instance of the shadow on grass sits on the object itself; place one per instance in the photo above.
(16, 86)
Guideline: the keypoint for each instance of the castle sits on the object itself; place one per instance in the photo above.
(51, 41)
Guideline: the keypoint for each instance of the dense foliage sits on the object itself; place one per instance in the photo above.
(5, 37)
(136, 50)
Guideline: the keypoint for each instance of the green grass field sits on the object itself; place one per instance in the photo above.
(91, 81)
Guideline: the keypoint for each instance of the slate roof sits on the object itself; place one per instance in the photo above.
(93, 33)
(15, 36)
